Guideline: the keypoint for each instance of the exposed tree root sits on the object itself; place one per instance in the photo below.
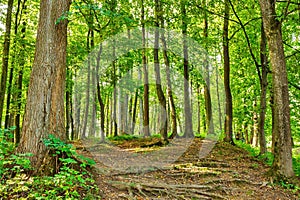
(168, 191)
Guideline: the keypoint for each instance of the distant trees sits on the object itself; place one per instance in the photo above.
(5, 56)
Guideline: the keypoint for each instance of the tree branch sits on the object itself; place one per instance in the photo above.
(295, 86)
(286, 10)
(217, 14)
(291, 2)
(248, 41)
(235, 32)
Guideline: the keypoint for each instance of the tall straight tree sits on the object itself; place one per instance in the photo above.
(282, 165)
(188, 124)
(207, 96)
(228, 110)
(9, 115)
(146, 129)
(5, 56)
(263, 93)
(45, 103)
(159, 91)
(169, 83)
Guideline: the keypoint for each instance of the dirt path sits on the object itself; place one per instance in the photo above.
(225, 173)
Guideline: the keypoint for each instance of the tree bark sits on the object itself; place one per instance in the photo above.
(146, 129)
(45, 103)
(207, 97)
(228, 117)
(87, 95)
(20, 87)
(169, 84)
(263, 95)
(99, 96)
(282, 165)
(188, 124)
(160, 94)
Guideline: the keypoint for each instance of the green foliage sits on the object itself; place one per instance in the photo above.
(72, 181)
(296, 164)
(158, 135)
(125, 137)
(254, 151)
(11, 164)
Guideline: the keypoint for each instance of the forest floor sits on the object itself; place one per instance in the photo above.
(226, 172)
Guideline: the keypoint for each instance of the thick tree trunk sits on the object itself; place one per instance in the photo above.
(5, 56)
(228, 117)
(282, 165)
(45, 103)
(188, 124)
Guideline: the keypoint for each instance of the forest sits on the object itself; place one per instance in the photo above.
(139, 99)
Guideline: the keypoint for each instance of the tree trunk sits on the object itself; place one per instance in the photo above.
(169, 84)
(93, 97)
(114, 116)
(207, 97)
(45, 103)
(188, 124)
(134, 110)
(100, 99)
(219, 102)
(20, 87)
(282, 165)
(146, 81)
(228, 117)
(11, 74)
(87, 95)
(163, 129)
(199, 109)
(263, 95)
(5, 56)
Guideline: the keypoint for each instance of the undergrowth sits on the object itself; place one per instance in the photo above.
(268, 159)
(72, 179)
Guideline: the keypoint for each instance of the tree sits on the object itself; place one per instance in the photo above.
(5, 56)
(159, 91)
(207, 96)
(282, 165)
(146, 81)
(169, 84)
(188, 124)
(264, 86)
(228, 109)
(44, 113)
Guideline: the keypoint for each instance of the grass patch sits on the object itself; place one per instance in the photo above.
(125, 137)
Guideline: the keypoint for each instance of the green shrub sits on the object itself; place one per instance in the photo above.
(73, 180)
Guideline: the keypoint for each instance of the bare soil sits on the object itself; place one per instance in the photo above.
(225, 172)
